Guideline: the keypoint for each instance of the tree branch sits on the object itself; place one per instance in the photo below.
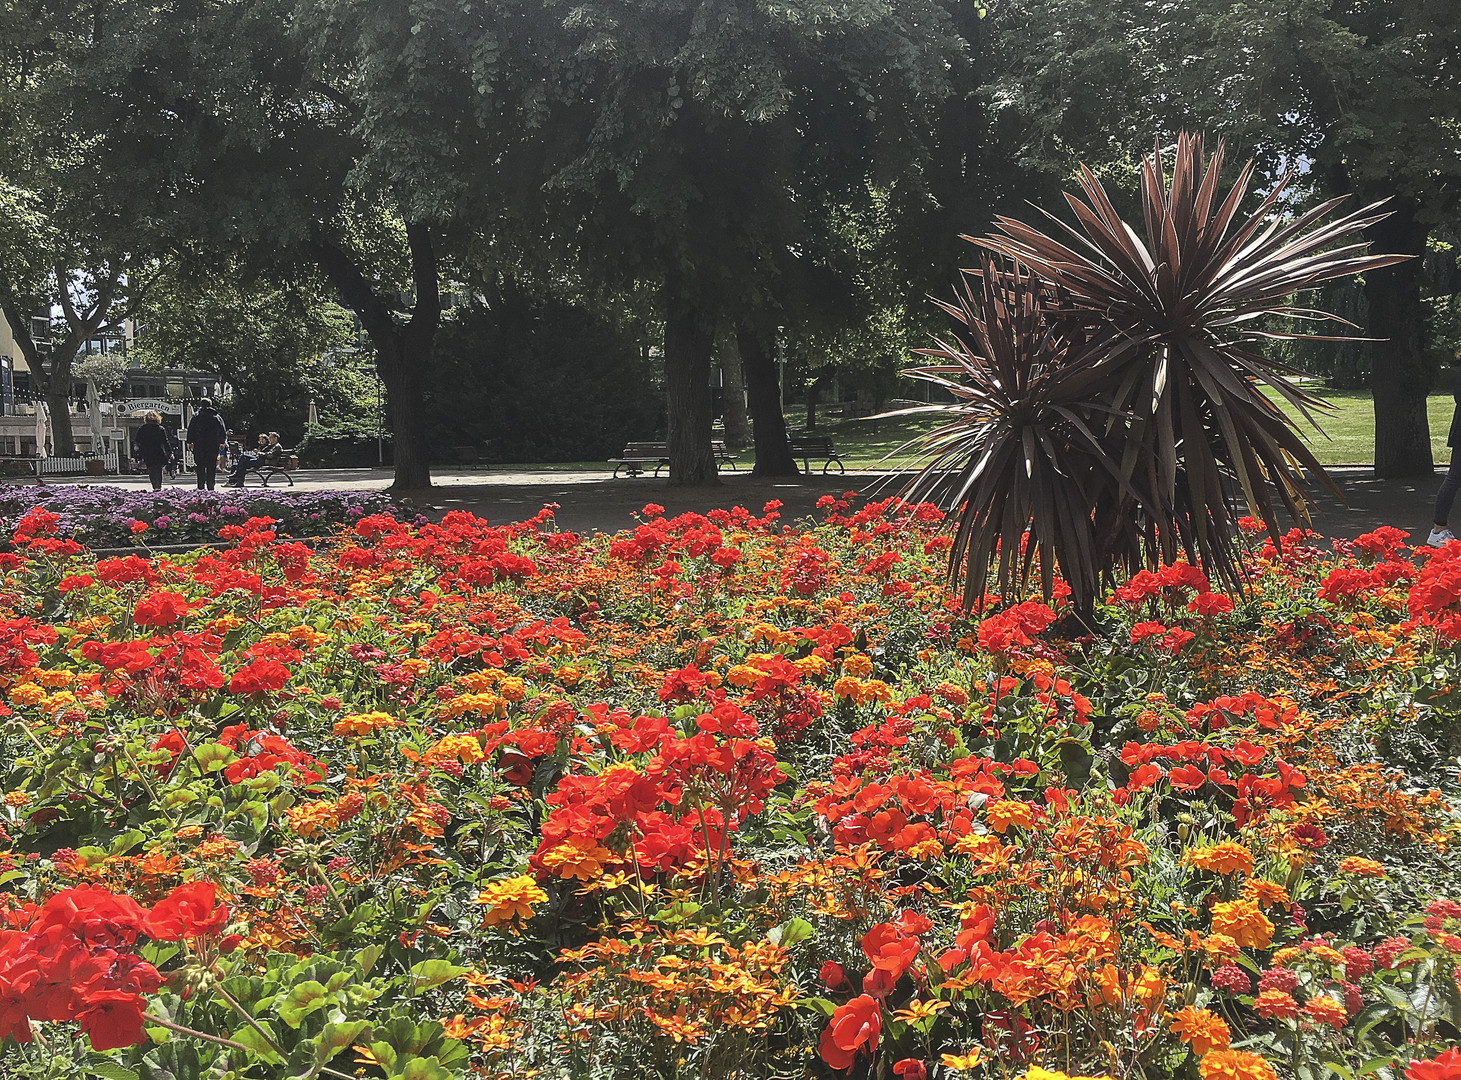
(425, 276)
(355, 290)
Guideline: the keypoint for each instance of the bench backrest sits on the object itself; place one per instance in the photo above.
(645, 449)
(813, 444)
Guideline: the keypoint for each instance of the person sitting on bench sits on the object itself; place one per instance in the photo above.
(248, 461)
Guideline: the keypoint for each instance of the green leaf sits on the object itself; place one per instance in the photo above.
(214, 757)
(127, 841)
(425, 1069)
(818, 1004)
(304, 998)
(431, 973)
(367, 957)
(247, 1036)
(337, 1037)
(110, 1070)
(790, 932)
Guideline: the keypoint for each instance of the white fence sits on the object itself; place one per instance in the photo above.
(75, 464)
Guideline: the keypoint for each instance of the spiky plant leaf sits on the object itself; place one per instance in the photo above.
(1159, 359)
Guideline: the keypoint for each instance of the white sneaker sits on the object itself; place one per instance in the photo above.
(1440, 537)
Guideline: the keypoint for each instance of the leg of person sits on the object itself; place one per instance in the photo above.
(1445, 499)
(154, 473)
(199, 467)
(210, 471)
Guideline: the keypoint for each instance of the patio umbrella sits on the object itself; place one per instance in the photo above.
(93, 413)
(314, 414)
(40, 428)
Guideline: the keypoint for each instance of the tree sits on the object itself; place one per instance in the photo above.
(351, 139)
(690, 139)
(59, 263)
(1369, 92)
(1363, 95)
(269, 341)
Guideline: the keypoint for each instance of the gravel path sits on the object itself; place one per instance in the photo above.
(594, 501)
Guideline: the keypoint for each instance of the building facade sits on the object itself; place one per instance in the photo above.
(101, 428)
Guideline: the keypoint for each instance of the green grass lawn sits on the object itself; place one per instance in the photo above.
(1348, 436)
(1349, 431)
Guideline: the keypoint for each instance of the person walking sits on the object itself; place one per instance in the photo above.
(206, 433)
(1441, 533)
(152, 448)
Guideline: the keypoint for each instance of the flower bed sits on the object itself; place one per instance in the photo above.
(723, 799)
(103, 516)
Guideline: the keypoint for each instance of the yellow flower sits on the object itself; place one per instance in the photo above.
(511, 898)
(917, 1010)
(577, 857)
(1002, 813)
(962, 1061)
(1360, 867)
(17, 798)
(26, 694)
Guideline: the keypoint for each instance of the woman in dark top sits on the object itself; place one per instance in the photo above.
(152, 448)
(1440, 531)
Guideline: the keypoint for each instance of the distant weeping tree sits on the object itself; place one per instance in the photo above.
(1109, 407)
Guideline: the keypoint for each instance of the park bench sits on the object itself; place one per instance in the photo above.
(808, 446)
(274, 462)
(639, 456)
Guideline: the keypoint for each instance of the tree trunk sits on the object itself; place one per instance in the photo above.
(402, 369)
(1400, 378)
(773, 451)
(58, 403)
(688, 343)
(403, 351)
(737, 427)
(58, 396)
(814, 394)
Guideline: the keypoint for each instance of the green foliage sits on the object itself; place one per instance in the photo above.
(532, 378)
(279, 346)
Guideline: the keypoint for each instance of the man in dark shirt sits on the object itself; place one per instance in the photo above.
(206, 433)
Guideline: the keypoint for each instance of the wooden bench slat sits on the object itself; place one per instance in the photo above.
(807, 446)
(657, 454)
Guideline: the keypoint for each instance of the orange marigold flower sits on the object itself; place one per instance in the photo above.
(363, 723)
(1201, 1029)
(1244, 922)
(1002, 813)
(1235, 1065)
(1361, 867)
(1265, 893)
(510, 898)
(1225, 858)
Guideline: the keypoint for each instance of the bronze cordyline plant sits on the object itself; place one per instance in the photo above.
(1109, 410)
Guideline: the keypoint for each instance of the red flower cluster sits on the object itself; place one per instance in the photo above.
(74, 959)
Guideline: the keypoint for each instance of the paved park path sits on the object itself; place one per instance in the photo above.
(595, 501)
